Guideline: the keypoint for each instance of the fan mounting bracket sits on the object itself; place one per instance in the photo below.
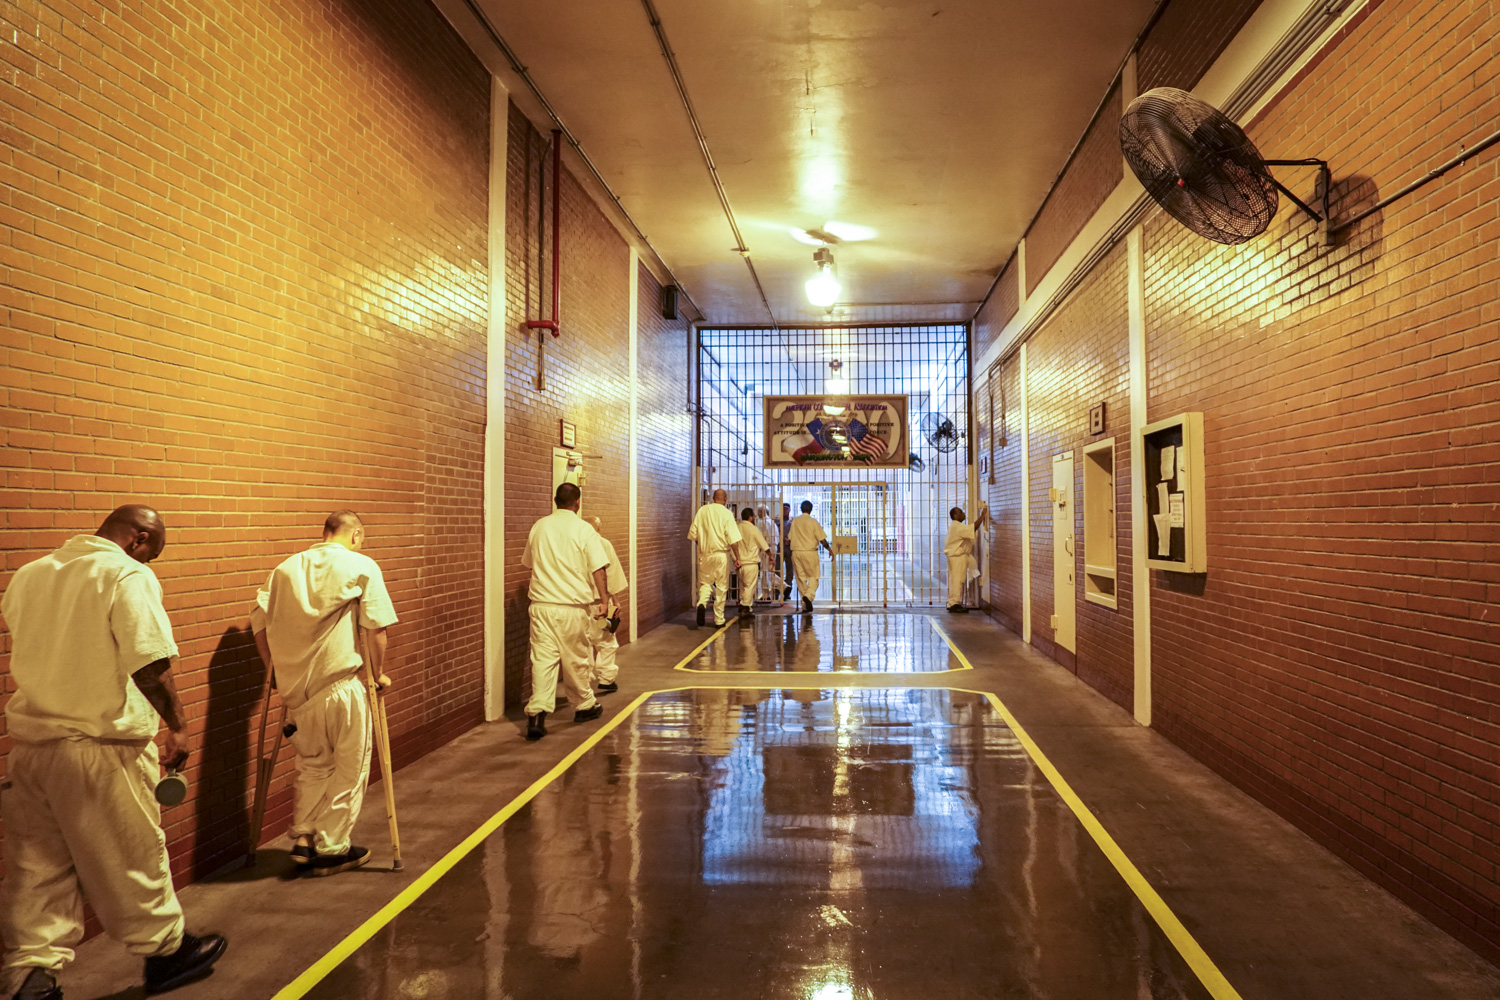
(1325, 185)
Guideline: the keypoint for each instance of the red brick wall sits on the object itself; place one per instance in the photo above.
(999, 309)
(1094, 172)
(1186, 40)
(1080, 357)
(1004, 494)
(245, 282)
(664, 459)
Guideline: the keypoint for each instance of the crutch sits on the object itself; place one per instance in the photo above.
(382, 744)
(264, 766)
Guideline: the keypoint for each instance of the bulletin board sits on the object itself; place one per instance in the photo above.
(1173, 494)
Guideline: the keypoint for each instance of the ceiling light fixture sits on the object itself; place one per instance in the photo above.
(836, 384)
(823, 288)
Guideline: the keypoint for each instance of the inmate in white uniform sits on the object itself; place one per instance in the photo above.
(80, 812)
(748, 554)
(803, 535)
(307, 610)
(959, 548)
(604, 644)
(562, 552)
(715, 531)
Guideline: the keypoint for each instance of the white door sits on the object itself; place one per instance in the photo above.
(1064, 618)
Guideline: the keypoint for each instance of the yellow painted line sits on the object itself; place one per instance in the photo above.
(953, 646)
(1187, 946)
(315, 974)
(682, 664)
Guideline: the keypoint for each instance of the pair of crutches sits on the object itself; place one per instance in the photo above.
(266, 765)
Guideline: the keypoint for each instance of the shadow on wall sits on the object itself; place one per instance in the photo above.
(222, 777)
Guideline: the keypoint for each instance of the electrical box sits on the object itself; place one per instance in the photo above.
(1099, 542)
(567, 467)
(845, 545)
(1173, 495)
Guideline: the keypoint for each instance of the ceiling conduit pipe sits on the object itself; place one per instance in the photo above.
(552, 324)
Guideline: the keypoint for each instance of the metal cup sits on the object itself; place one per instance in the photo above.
(172, 789)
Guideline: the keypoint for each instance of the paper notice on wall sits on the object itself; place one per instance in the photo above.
(1168, 462)
(1163, 524)
(1179, 511)
(1161, 498)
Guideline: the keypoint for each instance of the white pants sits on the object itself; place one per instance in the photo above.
(333, 764)
(713, 572)
(559, 635)
(805, 565)
(958, 575)
(80, 815)
(603, 646)
(749, 576)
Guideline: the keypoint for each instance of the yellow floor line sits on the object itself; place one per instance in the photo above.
(953, 646)
(682, 664)
(1187, 946)
(834, 673)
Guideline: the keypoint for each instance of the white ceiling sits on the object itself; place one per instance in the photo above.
(940, 125)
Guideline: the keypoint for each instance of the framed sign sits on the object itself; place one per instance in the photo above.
(568, 434)
(865, 432)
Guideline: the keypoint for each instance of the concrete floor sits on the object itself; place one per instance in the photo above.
(854, 822)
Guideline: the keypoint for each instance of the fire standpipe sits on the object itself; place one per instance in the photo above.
(552, 324)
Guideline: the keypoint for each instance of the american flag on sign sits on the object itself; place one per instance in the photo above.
(863, 442)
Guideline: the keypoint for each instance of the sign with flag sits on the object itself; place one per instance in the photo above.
(841, 432)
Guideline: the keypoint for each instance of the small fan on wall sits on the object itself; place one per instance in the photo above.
(1199, 166)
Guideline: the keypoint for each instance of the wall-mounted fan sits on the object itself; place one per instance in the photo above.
(916, 464)
(939, 432)
(1198, 165)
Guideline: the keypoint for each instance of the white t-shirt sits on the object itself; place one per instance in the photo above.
(714, 529)
(305, 608)
(960, 540)
(82, 620)
(562, 552)
(614, 577)
(805, 533)
(752, 544)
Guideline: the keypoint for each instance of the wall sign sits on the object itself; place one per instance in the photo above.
(568, 434)
(839, 432)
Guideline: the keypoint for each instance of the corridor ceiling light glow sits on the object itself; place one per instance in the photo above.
(848, 231)
(823, 288)
(835, 385)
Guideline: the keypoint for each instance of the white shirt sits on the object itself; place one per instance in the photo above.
(614, 577)
(752, 543)
(305, 608)
(960, 540)
(805, 533)
(562, 552)
(714, 529)
(82, 620)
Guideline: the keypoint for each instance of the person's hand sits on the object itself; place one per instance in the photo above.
(603, 610)
(179, 746)
(382, 683)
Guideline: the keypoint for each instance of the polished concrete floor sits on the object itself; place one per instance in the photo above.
(822, 807)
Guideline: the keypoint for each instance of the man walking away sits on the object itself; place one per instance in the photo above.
(604, 642)
(716, 534)
(752, 545)
(306, 620)
(567, 561)
(91, 660)
(804, 536)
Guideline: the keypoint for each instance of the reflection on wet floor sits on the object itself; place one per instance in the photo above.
(878, 643)
(818, 845)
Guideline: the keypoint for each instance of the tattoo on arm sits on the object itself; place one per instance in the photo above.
(155, 682)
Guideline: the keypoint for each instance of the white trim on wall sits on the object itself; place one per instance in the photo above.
(494, 424)
(634, 493)
(1025, 505)
(1140, 574)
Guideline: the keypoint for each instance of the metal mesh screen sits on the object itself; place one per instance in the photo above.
(898, 517)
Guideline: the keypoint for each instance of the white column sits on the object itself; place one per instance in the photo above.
(494, 425)
(634, 501)
(1140, 575)
(1025, 504)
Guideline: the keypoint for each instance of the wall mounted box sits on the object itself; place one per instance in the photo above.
(1172, 493)
(1099, 542)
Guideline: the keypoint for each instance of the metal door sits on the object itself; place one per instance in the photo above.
(1064, 618)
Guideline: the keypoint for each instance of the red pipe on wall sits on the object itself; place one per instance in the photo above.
(552, 324)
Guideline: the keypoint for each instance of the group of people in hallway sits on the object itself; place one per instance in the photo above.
(722, 543)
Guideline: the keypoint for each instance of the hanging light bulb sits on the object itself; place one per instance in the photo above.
(836, 384)
(823, 288)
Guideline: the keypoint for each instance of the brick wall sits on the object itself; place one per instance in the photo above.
(1004, 493)
(999, 309)
(245, 281)
(1339, 659)
(1186, 39)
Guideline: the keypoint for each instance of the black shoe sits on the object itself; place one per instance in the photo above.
(39, 984)
(332, 864)
(588, 714)
(188, 964)
(807, 605)
(536, 726)
(609, 688)
(303, 854)
(958, 609)
(702, 614)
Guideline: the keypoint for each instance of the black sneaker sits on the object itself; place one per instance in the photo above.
(609, 688)
(332, 864)
(39, 984)
(702, 614)
(958, 609)
(588, 714)
(188, 964)
(807, 605)
(303, 854)
(536, 726)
